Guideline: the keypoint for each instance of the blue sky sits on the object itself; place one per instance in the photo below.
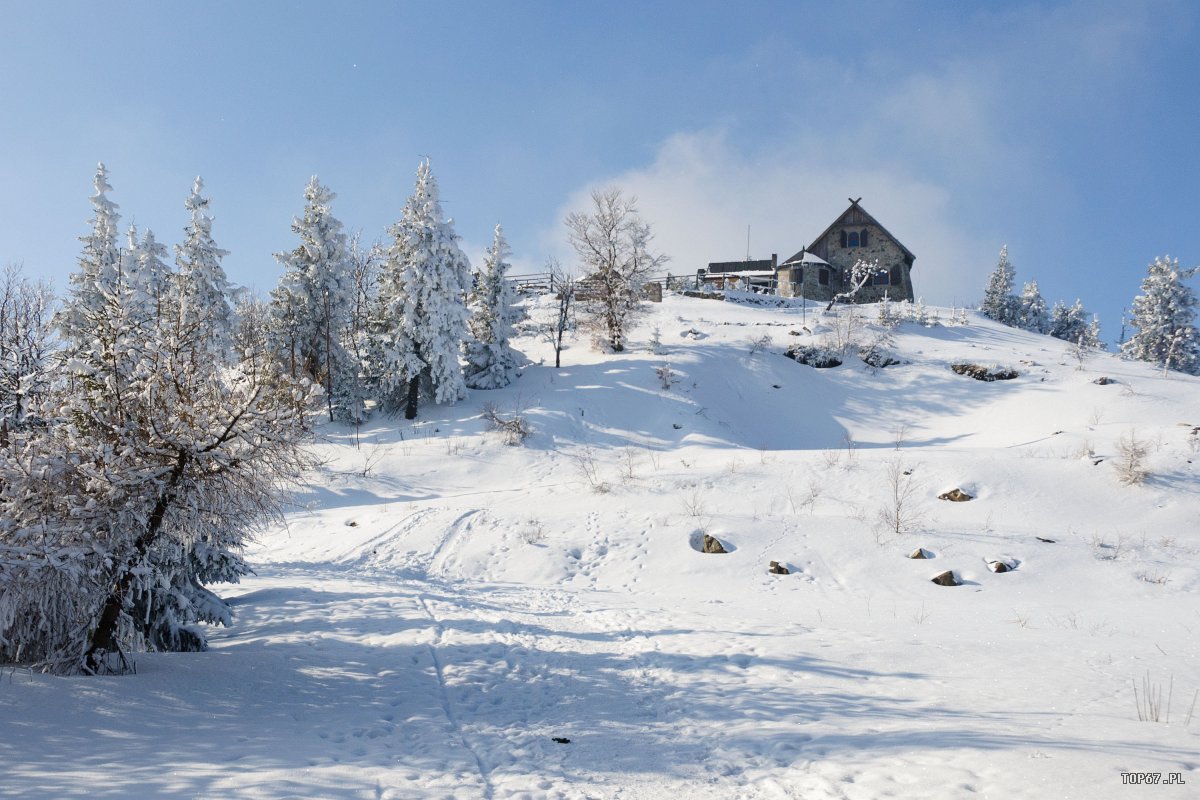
(1066, 130)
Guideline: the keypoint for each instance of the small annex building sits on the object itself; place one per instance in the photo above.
(749, 274)
(821, 270)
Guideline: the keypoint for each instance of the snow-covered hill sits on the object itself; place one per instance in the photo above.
(444, 606)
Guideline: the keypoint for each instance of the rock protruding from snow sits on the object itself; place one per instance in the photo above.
(996, 565)
(711, 544)
(985, 373)
(956, 495)
(1103, 380)
(921, 553)
(778, 569)
(946, 578)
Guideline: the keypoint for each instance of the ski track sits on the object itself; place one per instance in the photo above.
(443, 691)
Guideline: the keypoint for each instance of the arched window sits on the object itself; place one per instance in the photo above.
(852, 239)
(843, 238)
(863, 238)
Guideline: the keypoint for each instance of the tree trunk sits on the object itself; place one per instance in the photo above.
(104, 637)
(414, 392)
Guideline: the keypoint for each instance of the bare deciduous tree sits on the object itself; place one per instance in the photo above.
(555, 329)
(613, 244)
(25, 343)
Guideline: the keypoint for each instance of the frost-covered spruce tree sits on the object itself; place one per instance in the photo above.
(99, 262)
(420, 319)
(1164, 316)
(491, 361)
(153, 277)
(202, 287)
(1071, 324)
(311, 306)
(1031, 309)
(999, 302)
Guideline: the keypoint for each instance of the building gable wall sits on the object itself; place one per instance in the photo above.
(880, 247)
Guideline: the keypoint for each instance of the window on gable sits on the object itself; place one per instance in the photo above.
(843, 238)
(852, 239)
(896, 276)
(863, 238)
(823, 277)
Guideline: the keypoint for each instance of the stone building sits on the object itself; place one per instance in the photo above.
(822, 269)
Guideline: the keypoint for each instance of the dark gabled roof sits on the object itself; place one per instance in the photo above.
(855, 205)
(742, 266)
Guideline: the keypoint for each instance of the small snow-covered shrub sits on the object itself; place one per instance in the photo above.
(877, 356)
(1131, 459)
(814, 356)
(980, 372)
(666, 376)
(514, 429)
(761, 343)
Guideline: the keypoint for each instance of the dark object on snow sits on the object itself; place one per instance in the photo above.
(352, 523)
(712, 545)
(920, 552)
(778, 569)
(561, 739)
(946, 579)
(776, 386)
(676, 426)
(999, 566)
(1047, 541)
(955, 496)
(982, 373)
(1103, 380)
(816, 357)
(1097, 462)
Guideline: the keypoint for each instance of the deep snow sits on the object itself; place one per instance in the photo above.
(442, 606)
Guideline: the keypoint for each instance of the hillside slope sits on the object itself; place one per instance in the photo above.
(442, 605)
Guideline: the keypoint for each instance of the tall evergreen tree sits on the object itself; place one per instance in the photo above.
(999, 302)
(491, 361)
(203, 289)
(420, 318)
(1031, 309)
(312, 304)
(1164, 316)
(99, 263)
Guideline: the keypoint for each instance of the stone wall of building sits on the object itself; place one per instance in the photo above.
(880, 247)
(806, 282)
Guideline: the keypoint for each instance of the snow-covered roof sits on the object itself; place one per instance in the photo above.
(804, 257)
